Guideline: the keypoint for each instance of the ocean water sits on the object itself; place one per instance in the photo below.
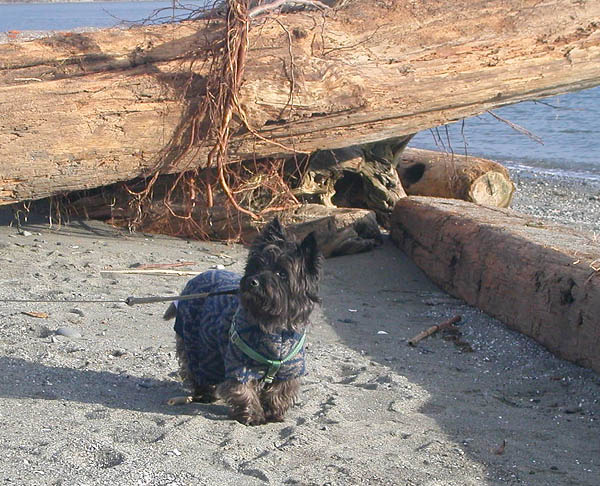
(563, 132)
(66, 16)
(558, 135)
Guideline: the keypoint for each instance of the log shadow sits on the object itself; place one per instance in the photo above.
(22, 379)
(508, 389)
(37, 219)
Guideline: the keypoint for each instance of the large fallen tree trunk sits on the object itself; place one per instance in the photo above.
(85, 110)
(539, 278)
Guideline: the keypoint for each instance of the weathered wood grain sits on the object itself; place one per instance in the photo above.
(84, 110)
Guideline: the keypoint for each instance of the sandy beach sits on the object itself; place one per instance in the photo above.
(84, 386)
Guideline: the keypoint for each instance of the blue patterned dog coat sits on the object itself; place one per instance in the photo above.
(204, 325)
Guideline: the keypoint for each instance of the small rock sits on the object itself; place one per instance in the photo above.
(77, 311)
(256, 473)
(395, 406)
(25, 233)
(370, 386)
(68, 332)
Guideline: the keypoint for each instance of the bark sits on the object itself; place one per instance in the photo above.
(539, 278)
(85, 110)
(439, 174)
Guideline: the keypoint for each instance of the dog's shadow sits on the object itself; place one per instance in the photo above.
(22, 379)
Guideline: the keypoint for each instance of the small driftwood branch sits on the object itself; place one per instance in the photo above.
(517, 128)
(433, 329)
(178, 273)
(500, 449)
(180, 400)
(39, 315)
(162, 266)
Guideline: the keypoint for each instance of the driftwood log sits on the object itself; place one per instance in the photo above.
(339, 231)
(86, 110)
(539, 278)
(441, 174)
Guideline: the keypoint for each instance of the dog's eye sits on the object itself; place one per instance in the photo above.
(282, 274)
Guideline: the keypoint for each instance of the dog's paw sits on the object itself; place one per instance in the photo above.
(274, 415)
(204, 398)
(246, 418)
(271, 416)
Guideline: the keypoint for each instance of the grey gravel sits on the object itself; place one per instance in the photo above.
(574, 202)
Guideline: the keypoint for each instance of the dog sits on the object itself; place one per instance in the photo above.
(245, 342)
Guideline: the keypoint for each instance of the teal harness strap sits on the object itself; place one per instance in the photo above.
(274, 364)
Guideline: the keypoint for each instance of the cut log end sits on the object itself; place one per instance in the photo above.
(492, 189)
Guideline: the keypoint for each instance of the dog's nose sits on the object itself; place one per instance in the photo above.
(254, 282)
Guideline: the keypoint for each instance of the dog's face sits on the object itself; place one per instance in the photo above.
(281, 283)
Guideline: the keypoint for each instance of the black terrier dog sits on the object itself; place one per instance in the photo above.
(246, 346)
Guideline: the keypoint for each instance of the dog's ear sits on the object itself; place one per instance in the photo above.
(272, 234)
(312, 256)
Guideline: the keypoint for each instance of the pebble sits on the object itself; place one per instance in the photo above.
(395, 406)
(68, 332)
(146, 384)
(577, 208)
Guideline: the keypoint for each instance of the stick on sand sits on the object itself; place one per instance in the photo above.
(433, 329)
(180, 400)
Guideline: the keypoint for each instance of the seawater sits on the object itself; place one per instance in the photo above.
(561, 135)
(66, 16)
(568, 126)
